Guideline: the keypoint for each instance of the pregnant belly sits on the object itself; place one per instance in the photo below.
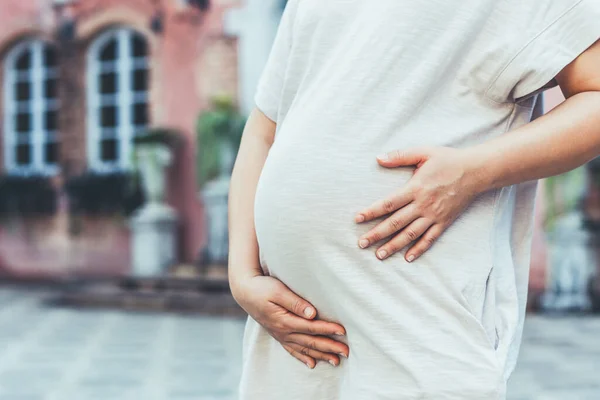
(305, 204)
(307, 197)
(397, 315)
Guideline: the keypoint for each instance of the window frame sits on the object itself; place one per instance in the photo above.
(124, 98)
(39, 105)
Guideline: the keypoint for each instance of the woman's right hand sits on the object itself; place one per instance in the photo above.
(290, 320)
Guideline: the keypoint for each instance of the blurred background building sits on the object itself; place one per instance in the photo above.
(81, 79)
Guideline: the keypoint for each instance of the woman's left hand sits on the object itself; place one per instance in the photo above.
(442, 187)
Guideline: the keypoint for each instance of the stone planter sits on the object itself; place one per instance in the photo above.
(569, 265)
(155, 224)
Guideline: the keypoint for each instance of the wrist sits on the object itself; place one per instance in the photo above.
(478, 169)
(239, 280)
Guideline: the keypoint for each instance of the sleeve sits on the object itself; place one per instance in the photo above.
(558, 32)
(268, 95)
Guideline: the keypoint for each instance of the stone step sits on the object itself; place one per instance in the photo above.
(161, 294)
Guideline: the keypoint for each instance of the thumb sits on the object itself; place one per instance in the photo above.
(295, 304)
(402, 158)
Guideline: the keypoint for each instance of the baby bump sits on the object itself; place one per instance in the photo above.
(305, 205)
(397, 315)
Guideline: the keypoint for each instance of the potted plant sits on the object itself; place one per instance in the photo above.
(25, 198)
(98, 201)
(155, 224)
(153, 152)
(219, 133)
(95, 194)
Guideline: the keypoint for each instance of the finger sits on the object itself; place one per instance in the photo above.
(307, 360)
(316, 327)
(295, 304)
(393, 224)
(385, 206)
(403, 158)
(425, 243)
(320, 343)
(408, 235)
(316, 355)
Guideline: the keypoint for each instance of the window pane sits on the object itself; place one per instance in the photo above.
(50, 56)
(23, 156)
(109, 51)
(51, 120)
(24, 60)
(51, 153)
(108, 150)
(140, 114)
(50, 89)
(108, 83)
(140, 80)
(23, 91)
(139, 47)
(23, 122)
(108, 116)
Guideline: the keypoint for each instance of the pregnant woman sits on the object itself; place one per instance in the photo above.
(381, 203)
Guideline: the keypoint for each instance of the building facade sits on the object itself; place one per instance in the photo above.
(79, 80)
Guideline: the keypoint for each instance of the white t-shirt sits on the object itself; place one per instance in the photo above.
(347, 80)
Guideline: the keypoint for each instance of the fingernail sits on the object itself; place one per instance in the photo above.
(332, 363)
(343, 355)
(363, 243)
(411, 258)
(308, 312)
(360, 218)
(382, 254)
(383, 157)
(309, 366)
(340, 333)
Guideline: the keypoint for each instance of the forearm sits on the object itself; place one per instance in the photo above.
(243, 247)
(558, 142)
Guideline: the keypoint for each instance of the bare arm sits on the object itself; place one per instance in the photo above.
(256, 142)
(565, 138)
(447, 180)
(287, 317)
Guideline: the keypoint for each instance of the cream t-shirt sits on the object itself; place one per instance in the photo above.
(347, 80)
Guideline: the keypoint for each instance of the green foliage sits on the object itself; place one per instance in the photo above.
(563, 193)
(26, 197)
(220, 126)
(104, 194)
(164, 136)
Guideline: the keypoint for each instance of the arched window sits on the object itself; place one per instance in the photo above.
(31, 109)
(117, 97)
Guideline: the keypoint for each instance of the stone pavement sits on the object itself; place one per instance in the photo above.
(559, 360)
(65, 354)
(51, 353)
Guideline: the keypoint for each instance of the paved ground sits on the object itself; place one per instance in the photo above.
(559, 360)
(61, 354)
